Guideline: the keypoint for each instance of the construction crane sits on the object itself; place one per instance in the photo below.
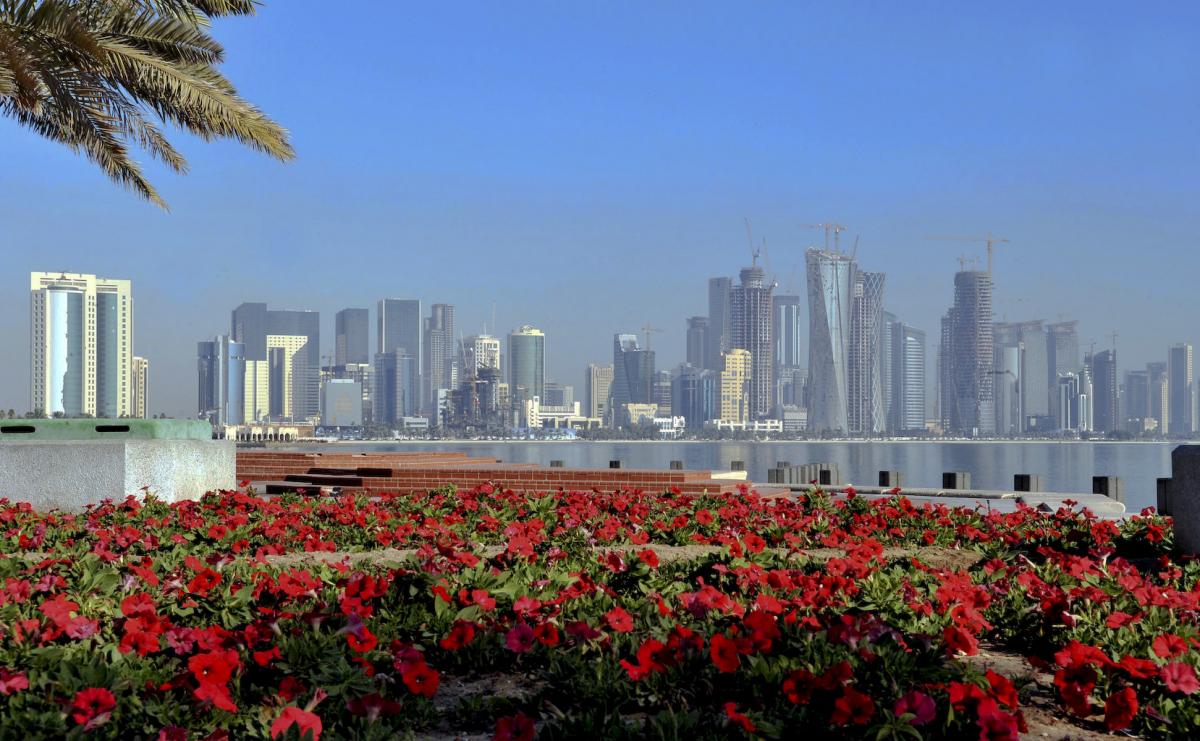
(989, 240)
(830, 226)
(648, 329)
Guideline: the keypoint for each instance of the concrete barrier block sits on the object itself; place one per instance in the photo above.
(889, 479)
(1185, 497)
(1109, 486)
(1027, 482)
(956, 480)
(1162, 491)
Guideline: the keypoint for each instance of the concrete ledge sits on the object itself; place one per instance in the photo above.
(70, 474)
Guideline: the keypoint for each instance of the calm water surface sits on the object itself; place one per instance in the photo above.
(1067, 466)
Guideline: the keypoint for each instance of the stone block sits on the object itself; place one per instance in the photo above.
(1027, 482)
(1109, 486)
(1185, 497)
(70, 474)
(956, 480)
(889, 479)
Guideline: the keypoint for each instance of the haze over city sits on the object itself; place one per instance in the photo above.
(588, 171)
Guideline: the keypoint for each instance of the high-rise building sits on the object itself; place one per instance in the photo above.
(557, 395)
(141, 386)
(1103, 369)
(1160, 396)
(786, 334)
(81, 345)
(1062, 357)
(719, 321)
(480, 351)
(598, 389)
(831, 283)
(396, 392)
(735, 387)
(1135, 402)
(439, 371)
(907, 379)
(1180, 389)
(750, 315)
(865, 413)
(398, 324)
(697, 340)
(292, 360)
(351, 329)
(222, 376)
(341, 403)
(633, 375)
(526, 363)
(662, 392)
(967, 357)
(694, 395)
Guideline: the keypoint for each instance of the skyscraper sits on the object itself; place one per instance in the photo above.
(282, 346)
(141, 386)
(222, 381)
(865, 414)
(396, 387)
(1160, 396)
(736, 387)
(1136, 400)
(352, 336)
(1180, 389)
(439, 370)
(1103, 368)
(1062, 357)
(967, 357)
(597, 389)
(526, 363)
(81, 345)
(831, 282)
(398, 326)
(907, 398)
(719, 318)
(694, 395)
(633, 375)
(480, 351)
(786, 334)
(697, 341)
(750, 314)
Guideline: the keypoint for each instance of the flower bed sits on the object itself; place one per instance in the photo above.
(584, 615)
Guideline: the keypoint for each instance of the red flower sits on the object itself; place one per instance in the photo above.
(92, 707)
(1180, 677)
(421, 679)
(482, 598)
(519, 638)
(218, 532)
(1002, 689)
(361, 644)
(1118, 620)
(304, 721)
(959, 640)
(619, 620)
(648, 557)
(214, 667)
(11, 682)
(204, 582)
(647, 660)
(526, 605)
(995, 724)
(733, 715)
(546, 634)
(514, 728)
(852, 707)
(461, 634)
(798, 687)
(1120, 709)
(918, 704)
(139, 605)
(217, 694)
(754, 543)
(1169, 646)
(1139, 668)
(724, 653)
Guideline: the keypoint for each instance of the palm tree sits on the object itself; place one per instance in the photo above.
(92, 74)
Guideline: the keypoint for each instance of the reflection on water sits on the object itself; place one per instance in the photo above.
(1063, 466)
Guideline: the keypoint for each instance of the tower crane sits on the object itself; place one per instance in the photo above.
(989, 240)
(648, 329)
(830, 226)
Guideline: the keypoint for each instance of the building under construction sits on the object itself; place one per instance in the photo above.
(750, 315)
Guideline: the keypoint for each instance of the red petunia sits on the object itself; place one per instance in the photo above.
(461, 634)
(92, 707)
(852, 707)
(754, 543)
(217, 694)
(724, 653)
(546, 634)
(960, 641)
(1120, 709)
(519, 638)
(1180, 677)
(919, 705)
(648, 660)
(514, 728)
(304, 721)
(361, 643)
(1169, 646)
(204, 582)
(482, 598)
(741, 720)
(421, 679)
(11, 682)
(619, 620)
(214, 667)
(648, 557)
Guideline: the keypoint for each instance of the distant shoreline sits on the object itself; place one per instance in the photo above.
(853, 441)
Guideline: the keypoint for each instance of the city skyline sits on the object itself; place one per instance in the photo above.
(604, 160)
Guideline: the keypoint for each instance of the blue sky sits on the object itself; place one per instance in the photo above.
(587, 166)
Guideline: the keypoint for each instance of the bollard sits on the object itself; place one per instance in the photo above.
(556, 464)
(1184, 499)
(956, 480)
(1109, 486)
(889, 479)
(676, 465)
(614, 464)
(737, 465)
(1027, 482)
(1162, 491)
